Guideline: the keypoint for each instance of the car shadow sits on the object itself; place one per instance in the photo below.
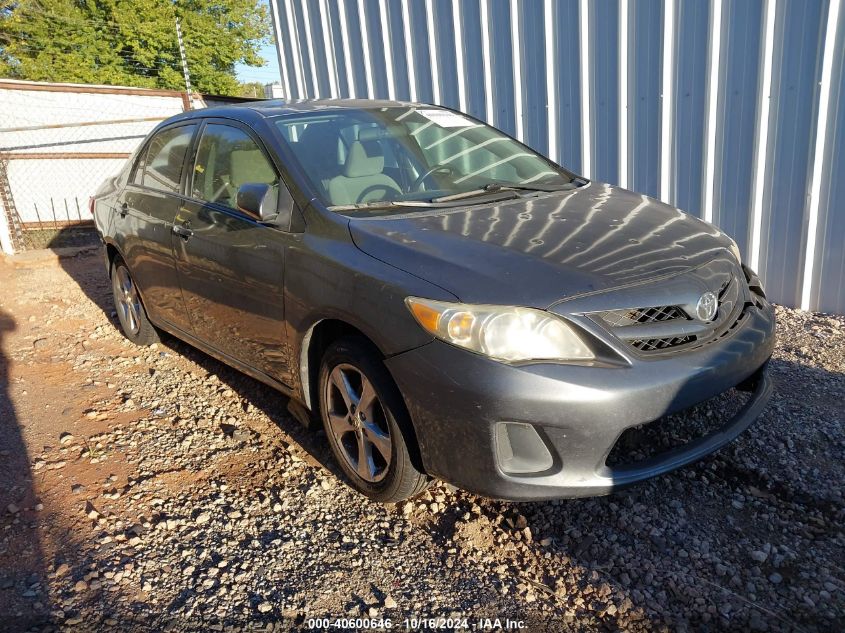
(24, 590)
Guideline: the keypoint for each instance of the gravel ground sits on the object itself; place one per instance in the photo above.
(157, 489)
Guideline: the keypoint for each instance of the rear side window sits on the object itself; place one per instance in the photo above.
(161, 166)
(226, 159)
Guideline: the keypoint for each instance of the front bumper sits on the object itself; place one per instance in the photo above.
(457, 400)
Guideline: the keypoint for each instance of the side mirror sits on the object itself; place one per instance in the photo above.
(257, 200)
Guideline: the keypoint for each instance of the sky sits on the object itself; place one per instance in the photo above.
(267, 74)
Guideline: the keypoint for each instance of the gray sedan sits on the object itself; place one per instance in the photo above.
(447, 301)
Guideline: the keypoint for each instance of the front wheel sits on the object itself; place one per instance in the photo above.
(130, 310)
(366, 422)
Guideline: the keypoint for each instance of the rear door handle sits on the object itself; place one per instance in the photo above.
(182, 231)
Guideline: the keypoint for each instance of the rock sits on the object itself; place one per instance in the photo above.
(77, 488)
(264, 607)
(202, 518)
(13, 508)
(65, 438)
(759, 556)
(775, 578)
(389, 603)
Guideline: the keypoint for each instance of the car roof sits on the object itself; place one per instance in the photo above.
(280, 107)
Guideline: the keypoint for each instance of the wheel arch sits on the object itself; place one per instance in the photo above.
(316, 341)
(314, 344)
(112, 252)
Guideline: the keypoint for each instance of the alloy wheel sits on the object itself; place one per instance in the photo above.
(127, 300)
(357, 421)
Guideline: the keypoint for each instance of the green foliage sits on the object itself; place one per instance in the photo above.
(132, 42)
(251, 89)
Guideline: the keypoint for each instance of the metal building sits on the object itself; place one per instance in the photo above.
(733, 110)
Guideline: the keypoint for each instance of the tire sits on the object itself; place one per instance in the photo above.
(380, 430)
(130, 309)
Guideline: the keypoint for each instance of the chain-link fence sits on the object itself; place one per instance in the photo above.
(47, 174)
(58, 143)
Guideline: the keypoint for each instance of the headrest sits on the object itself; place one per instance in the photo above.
(365, 159)
(376, 133)
(317, 147)
(250, 165)
(319, 133)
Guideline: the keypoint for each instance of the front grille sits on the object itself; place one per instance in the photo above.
(633, 317)
(621, 318)
(657, 344)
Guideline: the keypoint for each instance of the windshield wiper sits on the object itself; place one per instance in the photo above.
(494, 193)
(504, 188)
(497, 186)
(381, 204)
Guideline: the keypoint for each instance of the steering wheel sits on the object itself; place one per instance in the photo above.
(437, 169)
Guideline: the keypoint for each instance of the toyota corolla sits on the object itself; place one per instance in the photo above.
(450, 303)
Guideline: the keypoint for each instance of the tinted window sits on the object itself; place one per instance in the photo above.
(226, 159)
(161, 167)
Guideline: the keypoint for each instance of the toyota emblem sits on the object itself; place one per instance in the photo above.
(707, 306)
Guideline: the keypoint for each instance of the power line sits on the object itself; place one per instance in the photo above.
(125, 56)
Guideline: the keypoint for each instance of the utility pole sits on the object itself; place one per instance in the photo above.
(184, 65)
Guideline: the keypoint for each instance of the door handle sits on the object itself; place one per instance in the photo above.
(182, 231)
(124, 209)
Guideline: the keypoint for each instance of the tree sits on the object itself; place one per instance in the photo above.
(132, 42)
(251, 89)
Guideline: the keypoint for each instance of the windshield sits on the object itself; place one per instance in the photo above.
(411, 156)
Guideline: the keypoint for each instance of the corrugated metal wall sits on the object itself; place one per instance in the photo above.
(733, 110)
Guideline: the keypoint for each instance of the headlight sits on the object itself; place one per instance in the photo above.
(502, 332)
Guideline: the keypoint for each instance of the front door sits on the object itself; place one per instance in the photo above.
(231, 265)
(144, 223)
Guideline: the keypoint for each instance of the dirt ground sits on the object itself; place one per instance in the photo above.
(157, 489)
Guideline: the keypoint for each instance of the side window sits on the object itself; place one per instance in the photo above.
(161, 167)
(226, 159)
(138, 174)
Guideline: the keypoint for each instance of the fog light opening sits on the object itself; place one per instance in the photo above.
(520, 450)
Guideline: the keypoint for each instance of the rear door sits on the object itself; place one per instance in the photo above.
(144, 221)
(231, 266)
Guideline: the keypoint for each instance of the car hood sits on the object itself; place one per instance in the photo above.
(538, 251)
